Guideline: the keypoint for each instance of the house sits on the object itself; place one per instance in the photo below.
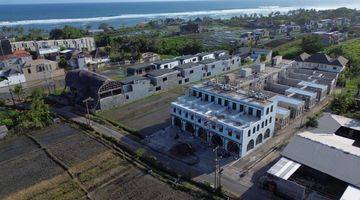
(321, 62)
(140, 69)
(188, 58)
(78, 60)
(282, 118)
(254, 53)
(190, 72)
(83, 84)
(295, 106)
(166, 64)
(329, 38)
(320, 163)
(12, 77)
(149, 57)
(41, 69)
(205, 56)
(82, 44)
(163, 79)
(234, 120)
(189, 28)
(15, 60)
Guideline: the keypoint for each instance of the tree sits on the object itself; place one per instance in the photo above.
(311, 44)
(56, 34)
(311, 122)
(104, 26)
(63, 63)
(342, 103)
(18, 90)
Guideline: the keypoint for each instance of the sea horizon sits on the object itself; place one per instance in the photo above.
(52, 15)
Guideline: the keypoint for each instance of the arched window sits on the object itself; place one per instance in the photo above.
(259, 139)
(267, 133)
(250, 145)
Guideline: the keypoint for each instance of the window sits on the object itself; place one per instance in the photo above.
(250, 112)
(208, 74)
(230, 133)
(127, 96)
(158, 88)
(254, 129)
(234, 106)
(212, 98)
(186, 115)
(221, 128)
(272, 109)
(212, 66)
(238, 137)
(192, 117)
(200, 95)
(206, 97)
(241, 108)
(180, 82)
(226, 102)
(267, 111)
(249, 133)
(199, 120)
(194, 93)
(258, 113)
(174, 110)
(258, 127)
(186, 80)
(164, 79)
(29, 71)
(266, 122)
(219, 101)
(270, 119)
(262, 124)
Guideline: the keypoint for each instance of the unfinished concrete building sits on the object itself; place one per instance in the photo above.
(140, 69)
(163, 79)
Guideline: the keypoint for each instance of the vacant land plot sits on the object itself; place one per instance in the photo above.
(27, 172)
(146, 115)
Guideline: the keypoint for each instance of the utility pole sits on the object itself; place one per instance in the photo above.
(216, 181)
(87, 109)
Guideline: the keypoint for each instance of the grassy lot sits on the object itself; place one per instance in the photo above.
(145, 115)
(290, 49)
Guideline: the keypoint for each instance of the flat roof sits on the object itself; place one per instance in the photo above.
(286, 99)
(165, 61)
(284, 168)
(314, 85)
(208, 61)
(282, 111)
(300, 91)
(237, 96)
(328, 153)
(188, 65)
(204, 53)
(130, 79)
(141, 66)
(351, 193)
(186, 57)
(215, 112)
(161, 72)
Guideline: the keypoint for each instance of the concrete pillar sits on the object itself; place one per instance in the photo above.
(225, 143)
(172, 120)
(208, 138)
(196, 131)
(183, 124)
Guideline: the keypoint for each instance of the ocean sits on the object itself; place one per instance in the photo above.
(48, 16)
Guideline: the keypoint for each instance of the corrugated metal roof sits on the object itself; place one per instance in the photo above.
(328, 153)
(284, 168)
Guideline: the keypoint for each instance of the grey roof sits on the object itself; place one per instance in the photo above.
(131, 79)
(302, 57)
(186, 57)
(204, 54)
(322, 59)
(328, 153)
(188, 65)
(165, 61)
(9, 72)
(160, 72)
(141, 66)
(208, 61)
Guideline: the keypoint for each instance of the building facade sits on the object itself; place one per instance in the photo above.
(226, 117)
(41, 69)
(82, 44)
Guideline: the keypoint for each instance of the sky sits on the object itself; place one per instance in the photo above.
(72, 1)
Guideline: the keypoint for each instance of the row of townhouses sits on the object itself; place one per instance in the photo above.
(146, 79)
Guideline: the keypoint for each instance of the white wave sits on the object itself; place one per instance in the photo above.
(219, 13)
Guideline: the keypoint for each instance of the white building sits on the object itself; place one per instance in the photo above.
(236, 120)
(82, 44)
(188, 59)
(167, 64)
(321, 62)
(205, 56)
(12, 77)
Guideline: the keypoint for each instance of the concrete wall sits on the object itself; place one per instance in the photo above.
(288, 188)
(192, 74)
(277, 88)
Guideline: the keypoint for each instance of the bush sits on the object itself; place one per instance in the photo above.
(311, 122)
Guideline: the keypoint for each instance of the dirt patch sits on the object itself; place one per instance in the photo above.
(147, 115)
(27, 172)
